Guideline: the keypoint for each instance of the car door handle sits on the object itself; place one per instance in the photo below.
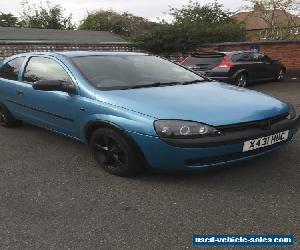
(20, 93)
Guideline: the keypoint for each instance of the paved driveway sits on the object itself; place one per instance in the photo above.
(53, 196)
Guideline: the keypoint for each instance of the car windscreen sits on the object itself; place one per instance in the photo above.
(214, 59)
(129, 71)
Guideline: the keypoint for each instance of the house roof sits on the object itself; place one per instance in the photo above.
(253, 21)
(65, 36)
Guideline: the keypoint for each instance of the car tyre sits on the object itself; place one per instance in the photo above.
(6, 118)
(242, 80)
(115, 153)
(280, 75)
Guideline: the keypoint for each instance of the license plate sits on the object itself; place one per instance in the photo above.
(265, 141)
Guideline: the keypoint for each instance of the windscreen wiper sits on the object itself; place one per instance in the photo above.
(160, 84)
(154, 84)
(194, 81)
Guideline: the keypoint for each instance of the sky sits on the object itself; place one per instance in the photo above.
(150, 9)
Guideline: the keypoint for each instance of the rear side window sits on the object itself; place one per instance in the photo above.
(261, 58)
(257, 57)
(41, 68)
(214, 59)
(236, 57)
(11, 69)
(242, 57)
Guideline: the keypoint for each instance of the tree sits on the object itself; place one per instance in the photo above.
(124, 24)
(8, 20)
(162, 38)
(191, 26)
(281, 16)
(45, 17)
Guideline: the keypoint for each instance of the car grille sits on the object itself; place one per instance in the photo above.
(263, 124)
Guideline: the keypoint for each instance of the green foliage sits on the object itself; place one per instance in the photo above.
(163, 38)
(191, 26)
(124, 24)
(45, 17)
(8, 20)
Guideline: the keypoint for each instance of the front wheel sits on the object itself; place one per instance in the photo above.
(242, 80)
(114, 153)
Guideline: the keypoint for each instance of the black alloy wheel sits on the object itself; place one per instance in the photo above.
(242, 80)
(6, 118)
(3, 117)
(114, 153)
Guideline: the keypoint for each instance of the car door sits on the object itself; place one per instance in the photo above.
(263, 66)
(270, 71)
(55, 110)
(10, 85)
(244, 61)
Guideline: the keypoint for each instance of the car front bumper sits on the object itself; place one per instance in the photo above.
(162, 155)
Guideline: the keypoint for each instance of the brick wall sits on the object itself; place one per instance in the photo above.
(288, 52)
(11, 48)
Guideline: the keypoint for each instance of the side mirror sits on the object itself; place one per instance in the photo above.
(54, 85)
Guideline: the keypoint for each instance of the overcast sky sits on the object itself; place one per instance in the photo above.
(147, 8)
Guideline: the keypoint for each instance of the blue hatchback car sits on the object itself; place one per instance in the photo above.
(136, 110)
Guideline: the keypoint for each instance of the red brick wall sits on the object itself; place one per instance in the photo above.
(11, 48)
(288, 52)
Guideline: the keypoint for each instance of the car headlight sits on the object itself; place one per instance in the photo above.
(292, 113)
(183, 129)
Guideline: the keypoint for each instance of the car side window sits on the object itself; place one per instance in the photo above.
(11, 69)
(42, 68)
(236, 57)
(244, 57)
(257, 57)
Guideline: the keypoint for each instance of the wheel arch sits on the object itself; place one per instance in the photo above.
(11, 120)
(92, 126)
(241, 71)
(2, 104)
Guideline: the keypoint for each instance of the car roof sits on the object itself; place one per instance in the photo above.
(220, 53)
(99, 53)
(83, 53)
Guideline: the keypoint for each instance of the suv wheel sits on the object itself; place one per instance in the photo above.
(242, 80)
(114, 153)
(6, 118)
(280, 75)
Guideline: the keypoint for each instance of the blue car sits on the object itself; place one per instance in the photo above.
(136, 110)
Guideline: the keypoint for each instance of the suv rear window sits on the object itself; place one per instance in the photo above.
(11, 69)
(208, 60)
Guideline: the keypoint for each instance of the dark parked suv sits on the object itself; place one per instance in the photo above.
(238, 67)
